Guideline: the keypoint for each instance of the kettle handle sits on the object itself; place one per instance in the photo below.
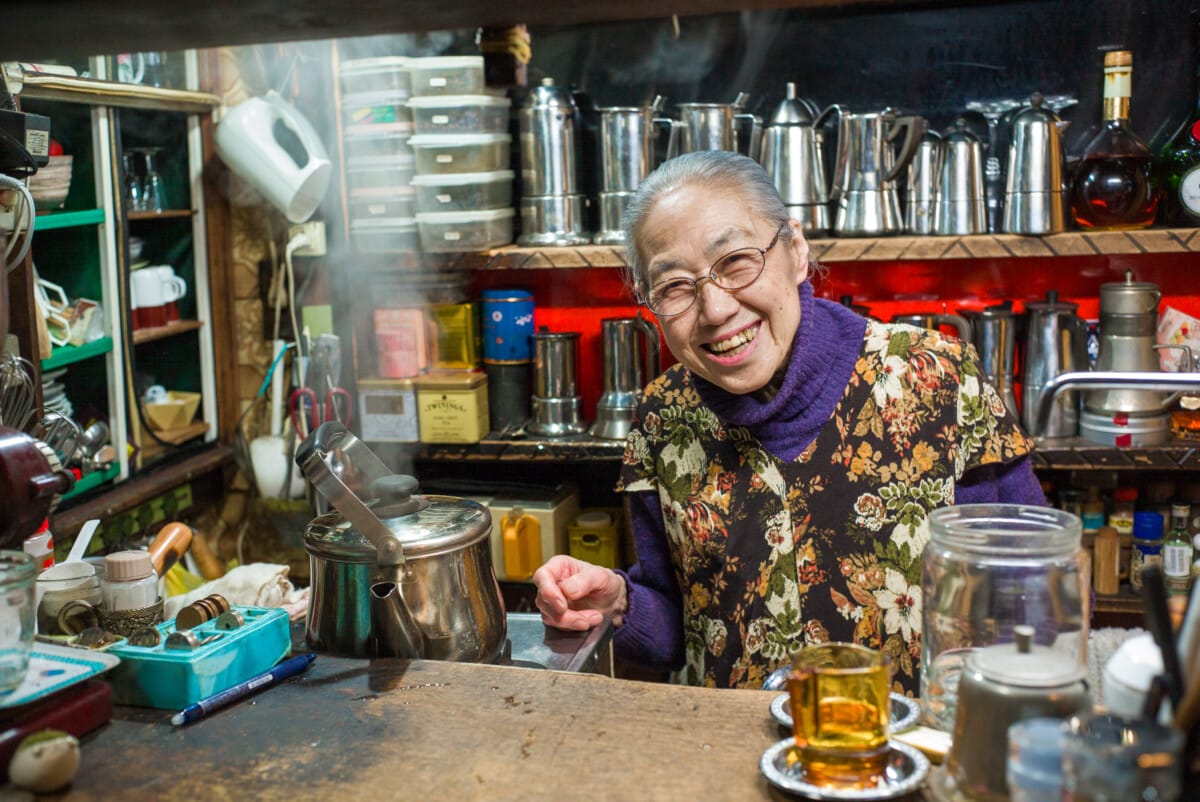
(1188, 361)
(914, 126)
(653, 357)
(288, 114)
(315, 456)
(958, 323)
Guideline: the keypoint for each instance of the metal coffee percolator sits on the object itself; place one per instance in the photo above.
(791, 155)
(626, 157)
(552, 207)
(715, 126)
(1055, 343)
(924, 173)
(556, 400)
(1034, 198)
(994, 335)
(625, 372)
(961, 207)
(864, 175)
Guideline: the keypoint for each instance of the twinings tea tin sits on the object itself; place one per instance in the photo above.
(452, 407)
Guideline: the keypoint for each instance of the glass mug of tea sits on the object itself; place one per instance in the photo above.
(841, 707)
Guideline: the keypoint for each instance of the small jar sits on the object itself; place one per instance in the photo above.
(129, 581)
(1147, 545)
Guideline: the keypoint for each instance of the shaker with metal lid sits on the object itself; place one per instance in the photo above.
(961, 206)
(1034, 194)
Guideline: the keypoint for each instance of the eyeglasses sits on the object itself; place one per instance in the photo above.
(733, 271)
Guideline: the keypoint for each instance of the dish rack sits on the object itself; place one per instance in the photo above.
(162, 677)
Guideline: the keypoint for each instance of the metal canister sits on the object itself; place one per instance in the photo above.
(507, 326)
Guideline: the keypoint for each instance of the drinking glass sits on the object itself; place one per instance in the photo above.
(133, 185)
(1107, 758)
(17, 572)
(840, 713)
(153, 196)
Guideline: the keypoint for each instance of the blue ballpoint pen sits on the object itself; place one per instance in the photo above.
(287, 668)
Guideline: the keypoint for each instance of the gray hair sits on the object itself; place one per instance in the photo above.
(718, 169)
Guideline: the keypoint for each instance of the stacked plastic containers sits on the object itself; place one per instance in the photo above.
(377, 125)
(461, 147)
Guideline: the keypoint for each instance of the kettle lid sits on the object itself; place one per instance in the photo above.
(792, 110)
(1025, 664)
(1035, 113)
(1052, 304)
(960, 132)
(549, 94)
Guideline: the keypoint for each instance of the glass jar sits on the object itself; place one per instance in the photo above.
(17, 572)
(988, 568)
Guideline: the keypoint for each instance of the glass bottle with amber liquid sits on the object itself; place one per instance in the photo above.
(1178, 163)
(1114, 187)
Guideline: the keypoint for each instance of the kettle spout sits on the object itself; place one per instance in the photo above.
(396, 631)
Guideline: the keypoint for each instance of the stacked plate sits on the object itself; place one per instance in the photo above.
(54, 393)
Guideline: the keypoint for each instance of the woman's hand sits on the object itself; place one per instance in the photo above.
(573, 594)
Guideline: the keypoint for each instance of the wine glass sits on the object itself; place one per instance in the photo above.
(993, 168)
(133, 186)
(153, 195)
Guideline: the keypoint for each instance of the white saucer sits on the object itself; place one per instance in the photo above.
(906, 770)
(905, 712)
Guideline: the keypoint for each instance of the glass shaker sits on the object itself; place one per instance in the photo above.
(986, 569)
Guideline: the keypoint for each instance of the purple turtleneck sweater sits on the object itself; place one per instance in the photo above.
(826, 347)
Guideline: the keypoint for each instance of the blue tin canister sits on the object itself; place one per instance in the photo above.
(507, 326)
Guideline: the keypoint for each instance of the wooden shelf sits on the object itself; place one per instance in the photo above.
(112, 93)
(166, 214)
(495, 448)
(1079, 454)
(867, 249)
(67, 354)
(93, 480)
(170, 330)
(72, 219)
(177, 436)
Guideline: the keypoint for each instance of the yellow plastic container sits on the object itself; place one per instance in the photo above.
(452, 407)
(594, 536)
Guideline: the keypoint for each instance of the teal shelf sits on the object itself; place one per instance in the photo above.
(93, 480)
(53, 220)
(66, 354)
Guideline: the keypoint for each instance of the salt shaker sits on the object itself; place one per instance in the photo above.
(129, 581)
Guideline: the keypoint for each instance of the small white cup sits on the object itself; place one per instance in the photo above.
(149, 299)
(174, 289)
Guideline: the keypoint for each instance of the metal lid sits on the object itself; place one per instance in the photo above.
(960, 133)
(1035, 113)
(125, 566)
(1025, 664)
(1051, 304)
(1129, 296)
(792, 110)
(446, 524)
(548, 94)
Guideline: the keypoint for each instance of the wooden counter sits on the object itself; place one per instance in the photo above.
(421, 730)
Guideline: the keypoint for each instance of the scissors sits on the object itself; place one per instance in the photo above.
(307, 414)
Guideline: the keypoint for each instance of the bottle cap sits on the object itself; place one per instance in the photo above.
(124, 566)
(1147, 526)
(1125, 493)
(1118, 58)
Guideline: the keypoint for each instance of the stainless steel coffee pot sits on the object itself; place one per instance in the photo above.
(715, 126)
(791, 155)
(556, 400)
(1035, 196)
(626, 157)
(961, 206)
(552, 206)
(994, 335)
(924, 172)
(394, 573)
(866, 168)
(1055, 343)
(628, 365)
(936, 321)
(1128, 329)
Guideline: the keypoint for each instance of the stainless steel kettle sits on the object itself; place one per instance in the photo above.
(791, 155)
(994, 335)
(626, 370)
(866, 168)
(394, 573)
(715, 126)
(1055, 343)
(924, 173)
(1035, 197)
(961, 206)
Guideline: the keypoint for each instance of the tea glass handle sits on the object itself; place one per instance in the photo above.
(799, 685)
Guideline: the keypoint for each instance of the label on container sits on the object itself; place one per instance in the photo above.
(1144, 553)
(389, 415)
(444, 197)
(440, 119)
(1177, 561)
(452, 236)
(437, 81)
(443, 158)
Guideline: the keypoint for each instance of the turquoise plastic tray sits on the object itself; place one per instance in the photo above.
(173, 679)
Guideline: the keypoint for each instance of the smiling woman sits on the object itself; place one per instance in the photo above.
(780, 476)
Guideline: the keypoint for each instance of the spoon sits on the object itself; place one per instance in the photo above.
(74, 567)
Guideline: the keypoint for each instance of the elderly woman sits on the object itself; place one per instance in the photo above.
(780, 476)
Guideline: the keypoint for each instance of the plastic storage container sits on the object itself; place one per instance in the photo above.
(379, 172)
(374, 108)
(446, 75)
(376, 141)
(463, 192)
(385, 74)
(155, 676)
(460, 153)
(453, 232)
(986, 569)
(385, 235)
(389, 202)
(460, 114)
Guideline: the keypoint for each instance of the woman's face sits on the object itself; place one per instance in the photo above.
(737, 340)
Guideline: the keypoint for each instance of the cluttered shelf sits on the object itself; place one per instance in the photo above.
(978, 246)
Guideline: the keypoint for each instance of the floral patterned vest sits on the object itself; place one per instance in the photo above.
(772, 555)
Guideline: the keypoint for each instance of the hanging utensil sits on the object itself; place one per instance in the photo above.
(18, 392)
(60, 433)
